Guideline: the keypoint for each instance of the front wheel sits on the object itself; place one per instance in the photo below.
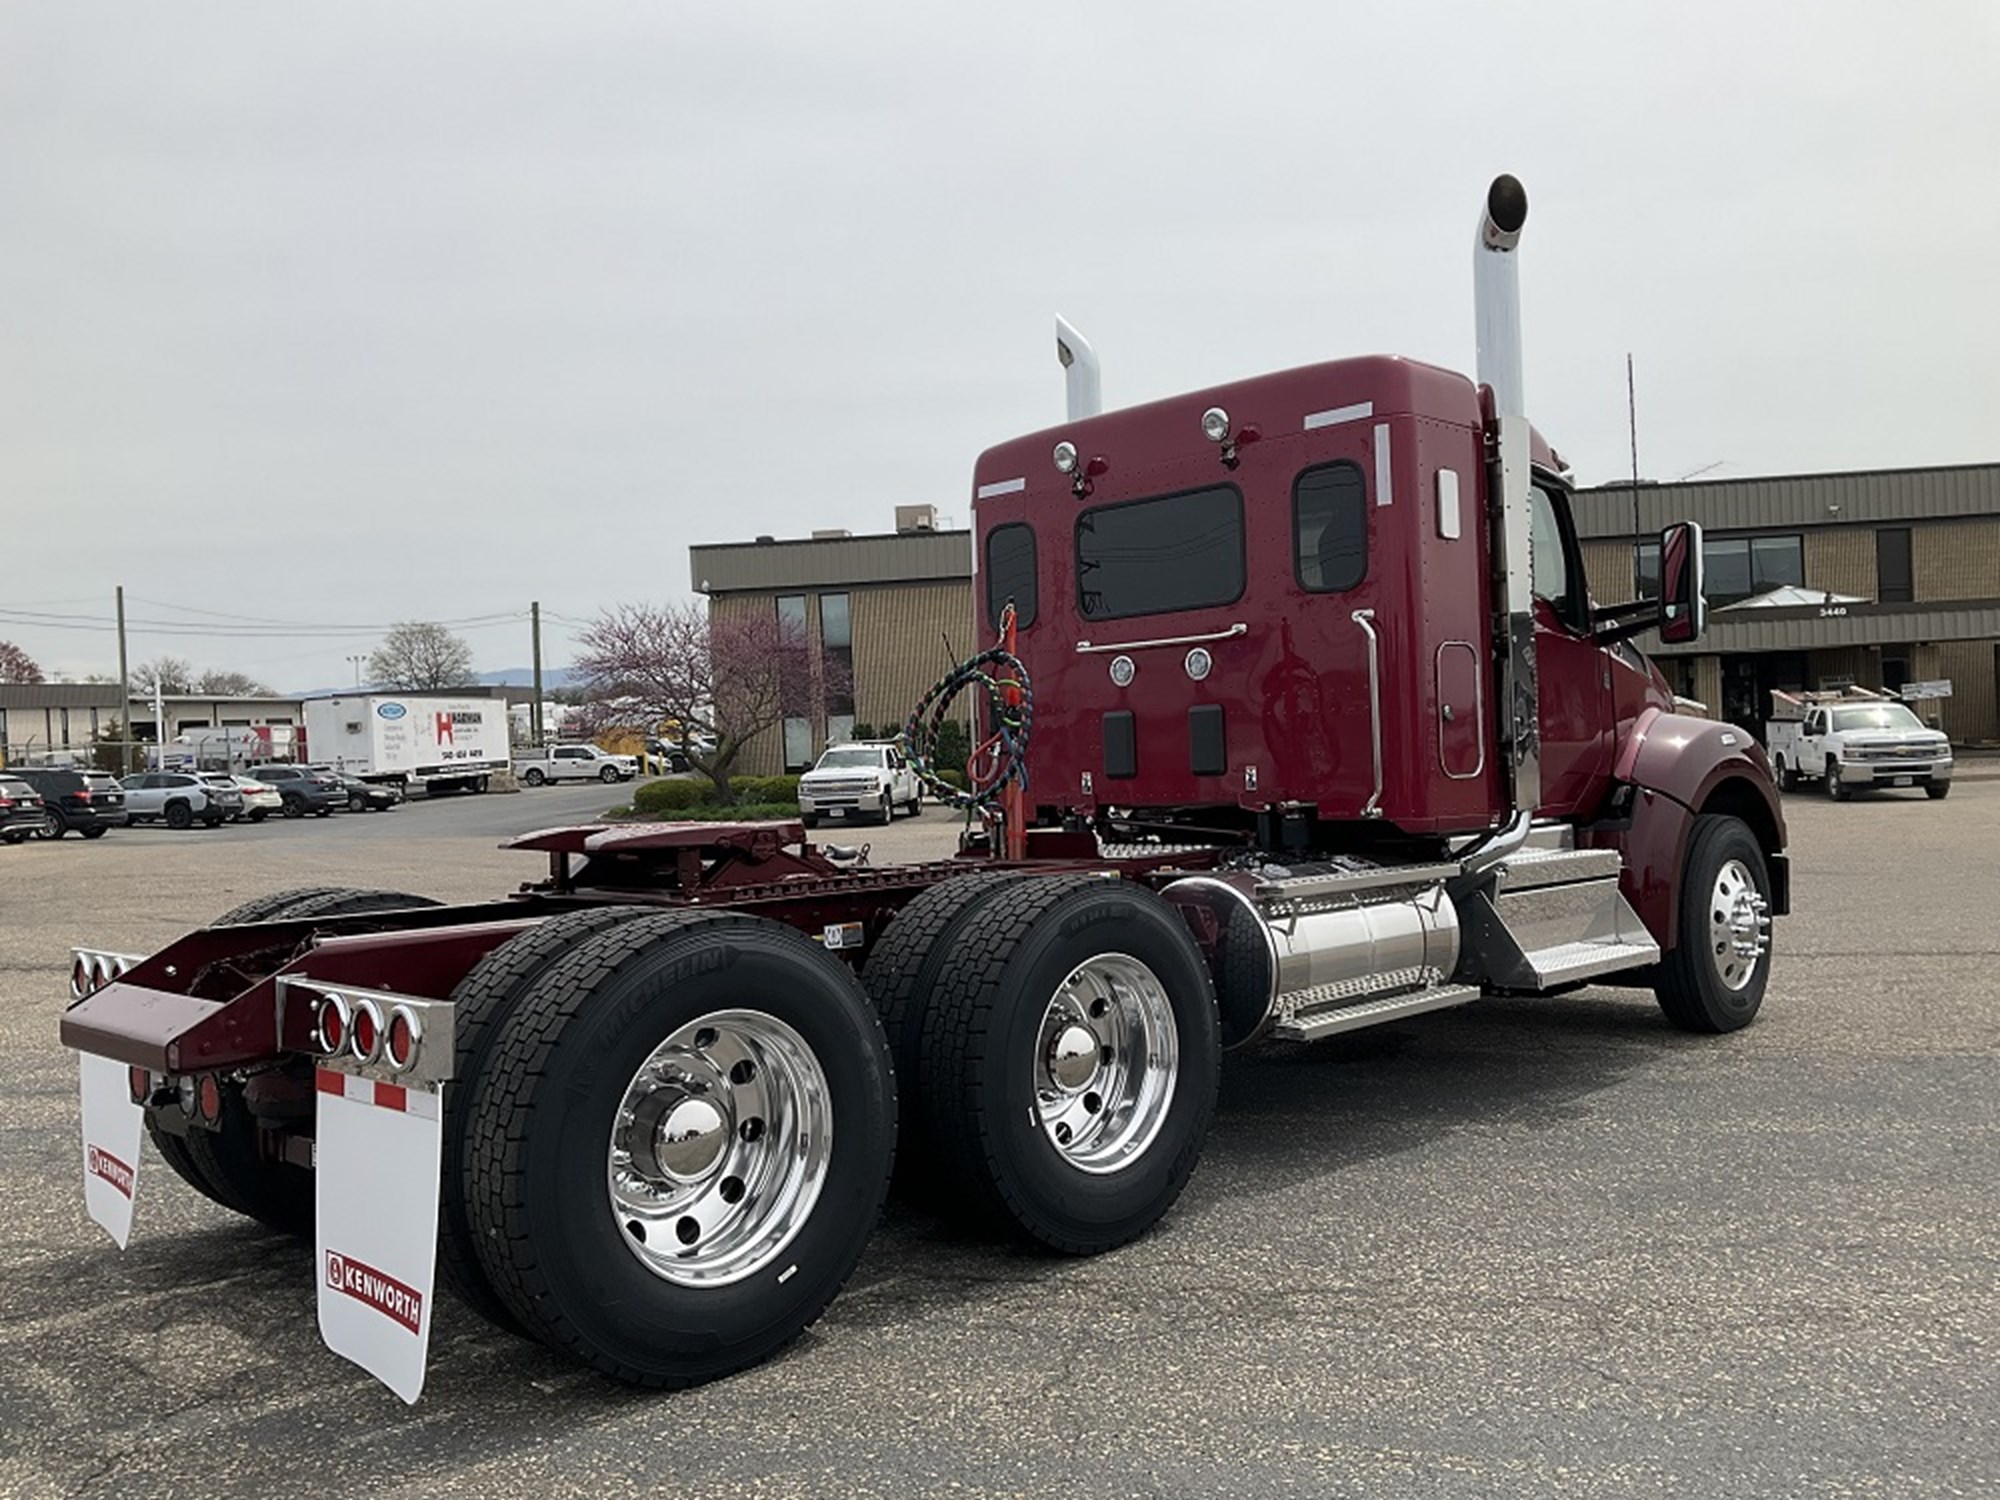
(178, 815)
(1071, 1056)
(680, 1145)
(97, 832)
(534, 776)
(258, 814)
(295, 807)
(886, 814)
(1837, 789)
(608, 775)
(53, 826)
(1937, 791)
(1788, 779)
(357, 803)
(1713, 979)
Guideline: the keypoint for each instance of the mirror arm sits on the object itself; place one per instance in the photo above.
(1611, 634)
(1617, 614)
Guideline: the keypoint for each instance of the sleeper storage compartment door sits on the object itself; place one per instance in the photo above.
(1461, 711)
(1121, 745)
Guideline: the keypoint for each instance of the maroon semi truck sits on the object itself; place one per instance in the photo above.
(1309, 722)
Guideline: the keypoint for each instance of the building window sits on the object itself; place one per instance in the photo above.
(1330, 528)
(1893, 581)
(1151, 557)
(1010, 574)
(836, 638)
(792, 632)
(1734, 567)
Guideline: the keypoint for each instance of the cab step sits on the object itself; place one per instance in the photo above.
(1312, 1025)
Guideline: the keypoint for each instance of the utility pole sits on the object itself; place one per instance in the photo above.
(535, 708)
(124, 692)
(1632, 420)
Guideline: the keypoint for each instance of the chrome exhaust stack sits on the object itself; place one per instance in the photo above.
(1496, 295)
(1081, 376)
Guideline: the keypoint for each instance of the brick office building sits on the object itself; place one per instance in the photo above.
(1880, 578)
(895, 608)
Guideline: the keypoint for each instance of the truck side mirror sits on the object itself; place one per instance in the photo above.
(1683, 605)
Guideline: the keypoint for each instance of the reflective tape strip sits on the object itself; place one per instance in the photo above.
(1384, 484)
(420, 1102)
(1002, 487)
(1334, 416)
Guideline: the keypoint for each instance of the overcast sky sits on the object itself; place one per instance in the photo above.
(345, 314)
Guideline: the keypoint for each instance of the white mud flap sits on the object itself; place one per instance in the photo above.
(380, 1146)
(112, 1125)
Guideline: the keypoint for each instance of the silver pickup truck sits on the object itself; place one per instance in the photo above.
(573, 763)
(1846, 744)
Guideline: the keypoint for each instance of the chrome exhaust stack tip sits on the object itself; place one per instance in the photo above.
(1082, 377)
(1496, 292)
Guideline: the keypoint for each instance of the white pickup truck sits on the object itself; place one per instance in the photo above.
(573, 763)
(1855, 739)
(864, 777)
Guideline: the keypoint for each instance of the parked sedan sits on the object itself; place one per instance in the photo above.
(20, 809)
(367, 796)
(260, 798)
(180, 799)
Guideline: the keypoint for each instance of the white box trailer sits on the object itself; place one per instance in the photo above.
(437, 742)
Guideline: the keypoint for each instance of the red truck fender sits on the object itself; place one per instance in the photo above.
(1678, 769)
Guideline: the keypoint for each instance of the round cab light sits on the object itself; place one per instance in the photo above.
(1215, 425)
(332, 1024)
(1123, 670)
(405, 1033)
(1065, 456)
(1199, 664)
(367, 1031)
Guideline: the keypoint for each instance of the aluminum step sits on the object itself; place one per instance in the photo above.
(1312, 1025)
(1566, 963)
(1532, 866)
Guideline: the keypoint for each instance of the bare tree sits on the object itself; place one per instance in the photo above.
(418, 656)
(16, 665)
(169, 674)
(724, 680)
(231, 685)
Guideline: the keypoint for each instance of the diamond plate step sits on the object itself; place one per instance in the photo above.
(1313, 1025)
(1567, 962)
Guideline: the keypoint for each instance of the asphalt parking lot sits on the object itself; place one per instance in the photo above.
(1527, 1247)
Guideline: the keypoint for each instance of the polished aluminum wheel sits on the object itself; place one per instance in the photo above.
(720, 1148)
(1739, 925)
(1106, 1062)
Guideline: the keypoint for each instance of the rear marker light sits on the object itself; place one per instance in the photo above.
(185, 1088)
(405, 1034)
(330, 1027)
(209, 1100)
(141, 1084)
(79, 978)
(367, 1031)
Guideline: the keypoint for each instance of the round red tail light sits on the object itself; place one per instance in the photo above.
(367, 1031)
(209, 1098)
(332, 1023)
(404, 1035)
(141, 1084)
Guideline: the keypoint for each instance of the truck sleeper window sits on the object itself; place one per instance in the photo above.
(1330, 527)
(1150, 557)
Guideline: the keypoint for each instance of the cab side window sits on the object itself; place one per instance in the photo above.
(1558, 578)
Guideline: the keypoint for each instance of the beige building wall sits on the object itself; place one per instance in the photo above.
(1972, 712)
(1841, 560)
(899, 633)
(1956, 559)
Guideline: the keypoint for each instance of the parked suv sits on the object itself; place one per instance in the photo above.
(88, 801)
(860, 778)
(180, 799)
(304, 789)
(20, 809)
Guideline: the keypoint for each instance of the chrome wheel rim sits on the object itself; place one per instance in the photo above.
(720, 1148)
(1106, 1060)
(1739, 925)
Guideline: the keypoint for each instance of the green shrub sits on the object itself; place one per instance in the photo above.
(953, 747)
(670, 796)
(952, 778)
(763, 789)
